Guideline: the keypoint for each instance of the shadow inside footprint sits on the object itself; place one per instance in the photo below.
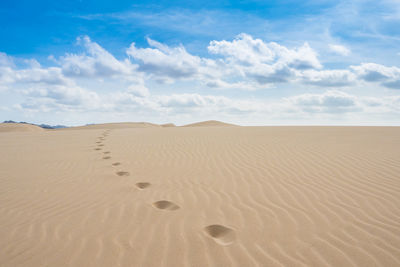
(220, 234)
(165, 205)
(122, 173)
(142, 185)
(108, 157)
(100, 145)
(106, 152)
(97, 148)
(116, 164)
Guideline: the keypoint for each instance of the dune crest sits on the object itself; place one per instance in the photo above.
(19, 127)
(116, 125)
(211, 123)
(168, 125)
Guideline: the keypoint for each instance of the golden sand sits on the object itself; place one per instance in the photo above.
(112, 195)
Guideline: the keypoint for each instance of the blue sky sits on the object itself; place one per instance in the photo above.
(248, 62)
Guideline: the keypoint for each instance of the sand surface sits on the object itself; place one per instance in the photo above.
(19, 127)
(201, 196)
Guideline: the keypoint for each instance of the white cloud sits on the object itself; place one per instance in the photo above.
(243, 50)
(241, 85)
(264, 63)
(244, 63)
(96, 63)
(139, 90)
(72, 96)
(172, 63)
(339, 49)
(253, 61)
(96, 81)
(329, 78)
(5, 60)
(328, 102)
(52, 75)
(33, 74)
(207, 105)
(371, 72)
(6, 75)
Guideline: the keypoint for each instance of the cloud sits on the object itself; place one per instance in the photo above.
(96, 81)
(392, 84)
(247, 51)
(139, 90)
(51, 75)
(240, 85)
(168, 64)
(372, 72)
(329, 102)
(329, 78)
(253, 61)
(207, 105)
(96, 62)
(243, 50)
(161, 60)
(34, 73)
(339, 49)
(72, 96)
(244, 63)
(265, 63)
(5, 60)
(6, 76)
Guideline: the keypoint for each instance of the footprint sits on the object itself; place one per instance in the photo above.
(98, 142)
(123, 173)
(220, 234)
(106, 152)
(116, 163)
(101, 145)
(142, 185)
(97, 148)
(108, 157)
(165, 205)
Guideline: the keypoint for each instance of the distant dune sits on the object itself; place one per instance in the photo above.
(19, 127)
(211, 123)
(117, 125)
(168, 125)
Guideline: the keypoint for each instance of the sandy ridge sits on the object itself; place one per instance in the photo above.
(19, 127)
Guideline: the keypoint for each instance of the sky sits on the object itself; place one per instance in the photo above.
(75, 62)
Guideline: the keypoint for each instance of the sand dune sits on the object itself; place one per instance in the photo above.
(117, 125)
(201, 196)
(209, 124)
(19, 127)
(168, 125)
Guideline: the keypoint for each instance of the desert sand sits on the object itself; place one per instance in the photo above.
(19, 127)
(145, 195)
